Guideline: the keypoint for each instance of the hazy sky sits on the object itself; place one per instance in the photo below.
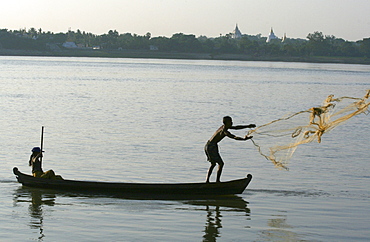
(347, 19)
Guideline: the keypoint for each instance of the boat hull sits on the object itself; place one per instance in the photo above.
(148, 189)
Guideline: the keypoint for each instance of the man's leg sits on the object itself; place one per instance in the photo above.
(220, 166)
(48, 175)
(210, 171)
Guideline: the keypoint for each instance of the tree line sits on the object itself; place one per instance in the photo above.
(315, 44)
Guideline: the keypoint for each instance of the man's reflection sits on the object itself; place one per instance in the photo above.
(213, 224)
(214, 208)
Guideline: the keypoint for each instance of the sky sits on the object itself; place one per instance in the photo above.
(347, 19)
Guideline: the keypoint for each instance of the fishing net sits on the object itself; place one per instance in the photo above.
(278, 140)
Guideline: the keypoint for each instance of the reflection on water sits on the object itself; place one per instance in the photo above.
(37, 199)
(214, 209)
(213, 224)
(279, 230)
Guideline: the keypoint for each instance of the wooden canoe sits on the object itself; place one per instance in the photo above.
(145, 189)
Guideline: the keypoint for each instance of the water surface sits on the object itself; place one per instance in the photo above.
(142, 120)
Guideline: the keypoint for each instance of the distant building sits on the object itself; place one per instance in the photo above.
(284, 38)
(236, 33)
(271, 36)
(69, 45)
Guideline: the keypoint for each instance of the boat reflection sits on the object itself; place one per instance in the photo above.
(37, 199)
(213, 208)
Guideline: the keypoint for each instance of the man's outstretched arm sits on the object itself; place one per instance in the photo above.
(232, 136)
(243, 126)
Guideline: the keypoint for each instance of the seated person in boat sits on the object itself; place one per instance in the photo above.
(211, 147)
(35, 162)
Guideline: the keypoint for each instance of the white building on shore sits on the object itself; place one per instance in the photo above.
(236, 34)
(271, 36)
(70, 45)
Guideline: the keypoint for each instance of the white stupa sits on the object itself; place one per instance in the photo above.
(284, 38)
(236, 33)
(271, 36)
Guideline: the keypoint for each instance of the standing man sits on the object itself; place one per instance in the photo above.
(211, 147)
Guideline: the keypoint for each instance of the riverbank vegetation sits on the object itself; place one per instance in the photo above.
(317, 47)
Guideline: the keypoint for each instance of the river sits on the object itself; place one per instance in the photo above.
(147, 120)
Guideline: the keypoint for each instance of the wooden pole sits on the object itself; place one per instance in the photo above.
(42, 141)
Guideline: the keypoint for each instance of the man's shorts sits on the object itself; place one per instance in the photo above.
(212, 153)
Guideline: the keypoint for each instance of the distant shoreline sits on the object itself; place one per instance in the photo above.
(179, 55)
